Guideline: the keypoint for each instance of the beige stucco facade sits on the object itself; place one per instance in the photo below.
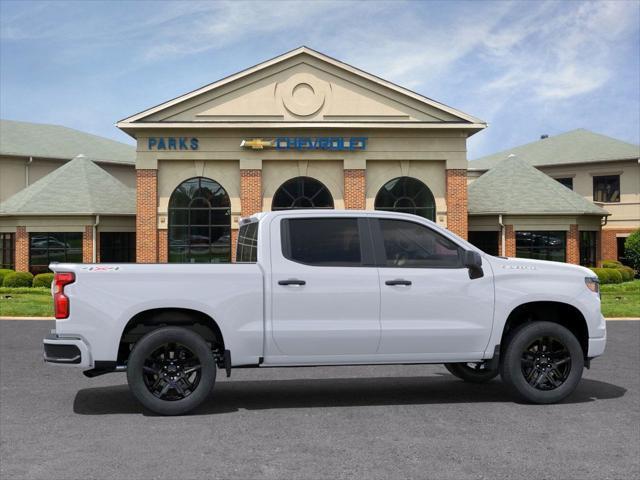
(624, 214)
(17, 173)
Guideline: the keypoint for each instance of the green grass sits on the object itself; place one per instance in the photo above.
(618, 300)
(621, 299)
(26, 302)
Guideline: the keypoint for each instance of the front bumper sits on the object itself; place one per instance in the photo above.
(68, 350)
(596, 346)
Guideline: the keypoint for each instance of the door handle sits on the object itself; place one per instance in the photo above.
(292, 281)
(398, 282)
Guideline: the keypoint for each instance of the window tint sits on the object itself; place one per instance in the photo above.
(302, 192)
(485, 241)
(117, 247)
(541, 245)
(247, 243)
(324, 241)
(406, 195)
(588, 249)
(199, 222)
(606, 188)
(567, 182)
(7, 250)
(410, 245)
(45, 248)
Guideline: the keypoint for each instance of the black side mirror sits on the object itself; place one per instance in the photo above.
(473, 261)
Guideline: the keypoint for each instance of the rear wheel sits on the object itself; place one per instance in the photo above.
(472, 372)
(542, 362)
(171, 370)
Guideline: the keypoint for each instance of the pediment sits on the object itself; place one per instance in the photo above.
(302, 86)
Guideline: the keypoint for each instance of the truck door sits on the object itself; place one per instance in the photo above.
(325, 287)
(429, 305)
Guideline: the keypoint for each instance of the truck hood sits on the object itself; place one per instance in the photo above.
(541, 266)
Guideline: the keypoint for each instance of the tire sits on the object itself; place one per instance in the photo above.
(171, 370)
(471, 372)
(542, 362)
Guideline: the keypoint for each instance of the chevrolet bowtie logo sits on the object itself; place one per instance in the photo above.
(257, 143)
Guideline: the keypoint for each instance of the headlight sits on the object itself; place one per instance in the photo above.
(593, 284)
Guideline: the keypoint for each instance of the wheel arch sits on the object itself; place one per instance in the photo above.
(151, 319)
(558, 312)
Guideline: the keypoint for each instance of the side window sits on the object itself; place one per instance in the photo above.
(606, 188)
(326, 242)
(248, 243)
(411, 245)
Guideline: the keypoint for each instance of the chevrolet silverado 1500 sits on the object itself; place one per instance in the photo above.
(317, 287)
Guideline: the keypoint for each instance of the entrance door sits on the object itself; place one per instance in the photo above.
(429, 305)
(325, 288)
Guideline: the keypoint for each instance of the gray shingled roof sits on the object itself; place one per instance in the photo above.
(54, 141)
(79, 187)
(576, 146)
(515, 187)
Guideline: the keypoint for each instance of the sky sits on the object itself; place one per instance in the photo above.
(527, 68)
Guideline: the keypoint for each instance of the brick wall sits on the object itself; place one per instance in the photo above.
(510, 241)
(87, 244)
(163, 246)
(573, 245)
(609, 242)
(234, 242)
(22, 249)
(250, 191)
(146, 216)
(457, 217)
(354, 189)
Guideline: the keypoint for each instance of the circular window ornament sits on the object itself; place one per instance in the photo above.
(303, 94)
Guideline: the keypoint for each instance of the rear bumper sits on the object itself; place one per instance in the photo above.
(71, 351)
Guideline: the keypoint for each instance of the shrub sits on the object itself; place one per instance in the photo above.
(4, 272)
(632, 250)
(608, 275)
(627, 273)
(18, 279)
(43, 280)
(611, 264)
(614, 275)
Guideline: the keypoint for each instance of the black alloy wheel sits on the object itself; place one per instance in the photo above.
(542, 362)
(546, 363)
(171, 370)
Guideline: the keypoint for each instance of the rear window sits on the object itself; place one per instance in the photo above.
(327, 242)
(247, 243)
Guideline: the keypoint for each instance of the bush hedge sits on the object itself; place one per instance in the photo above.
(608, 275)
(4, 272)
(18, 279)
(43, 280)
(611, 264)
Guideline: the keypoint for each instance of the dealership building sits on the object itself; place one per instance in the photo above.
(304, 130)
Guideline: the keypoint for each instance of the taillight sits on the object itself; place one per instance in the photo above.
(60, 300)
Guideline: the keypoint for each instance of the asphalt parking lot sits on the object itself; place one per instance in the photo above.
(338, 422)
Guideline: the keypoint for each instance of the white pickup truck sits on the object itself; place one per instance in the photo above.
(318, 287)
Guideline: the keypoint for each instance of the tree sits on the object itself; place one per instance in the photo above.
(632, 250)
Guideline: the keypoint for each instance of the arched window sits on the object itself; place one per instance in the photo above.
(302, 192)
(407, 195)
(199, 222)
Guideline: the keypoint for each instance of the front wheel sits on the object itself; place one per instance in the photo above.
(472, 372)
(171, 370)
(542, 362)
